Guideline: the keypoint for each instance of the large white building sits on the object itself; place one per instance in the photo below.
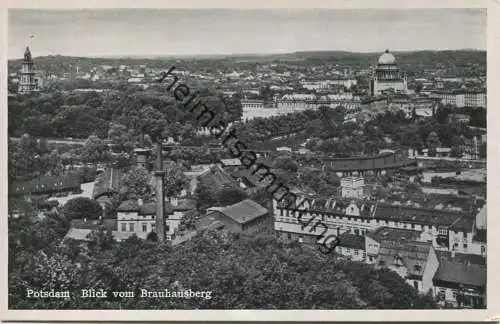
(387, 76)
(462, 98)
(448, 230)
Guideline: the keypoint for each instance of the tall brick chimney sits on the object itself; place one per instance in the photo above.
(160, 198)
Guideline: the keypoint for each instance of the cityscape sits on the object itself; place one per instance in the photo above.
(312, 174)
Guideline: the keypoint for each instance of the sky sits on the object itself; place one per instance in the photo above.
(150, 32)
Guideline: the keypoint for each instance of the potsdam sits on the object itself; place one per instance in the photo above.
(30, 293)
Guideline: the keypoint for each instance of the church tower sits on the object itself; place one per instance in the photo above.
(28, 82)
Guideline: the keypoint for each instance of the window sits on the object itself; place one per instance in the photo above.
(124, 227)
(381, 263)
(144, 227)
(153, 227)
(131, 227)
(483, 249)
(289, 235)
(465, 246)
(356, 252)
(348, 250)
(417, 267)
(415, 284)
(455, 294)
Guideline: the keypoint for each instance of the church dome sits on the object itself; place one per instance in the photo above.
(387, 58)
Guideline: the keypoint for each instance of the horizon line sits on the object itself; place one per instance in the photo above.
(162, 56)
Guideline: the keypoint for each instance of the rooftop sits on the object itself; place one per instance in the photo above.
(396, 234)
(352, 241)
(78, 234)
(244, 211)
(461, 273)
(412, 255)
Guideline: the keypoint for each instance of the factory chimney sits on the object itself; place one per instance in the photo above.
(160, 198)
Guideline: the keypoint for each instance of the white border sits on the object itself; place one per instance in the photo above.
(493, 56)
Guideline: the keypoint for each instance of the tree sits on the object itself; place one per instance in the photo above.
(442, 113)
(478, 118)
(26, 156)
(137, 183)
(230, 195)
(456, 151)
(82, 208)
(433, 143)
(205, 197)
(121, 138)
(286, 163)
(94, 150)
(418, 87)
(175, 180)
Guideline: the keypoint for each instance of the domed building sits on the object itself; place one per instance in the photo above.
(387, 77)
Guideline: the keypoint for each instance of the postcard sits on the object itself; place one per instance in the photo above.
(243, 162)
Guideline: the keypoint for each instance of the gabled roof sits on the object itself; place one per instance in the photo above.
(183, 204)
(352, 241)
(244, 211)
(78, 234)
(460, 273)
(413, 255)
(128, 206)
(216, 177)
(230, 162)
(147, 208)
(418, 215)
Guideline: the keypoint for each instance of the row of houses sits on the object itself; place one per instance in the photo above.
(447, 230)
(453, 278)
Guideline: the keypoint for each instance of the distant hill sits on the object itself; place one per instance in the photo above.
(409, 60)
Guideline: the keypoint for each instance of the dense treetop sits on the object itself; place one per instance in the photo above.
(241, 272)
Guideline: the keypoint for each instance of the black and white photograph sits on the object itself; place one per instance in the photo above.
(247, 159)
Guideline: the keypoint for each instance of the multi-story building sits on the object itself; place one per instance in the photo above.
(460, 280)
(449, 230)
(413, 260)
(387, 76)
(139, 218)
(453, 278)
(352, 187)
(246, 216)
(462, 98)
(322, 85)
